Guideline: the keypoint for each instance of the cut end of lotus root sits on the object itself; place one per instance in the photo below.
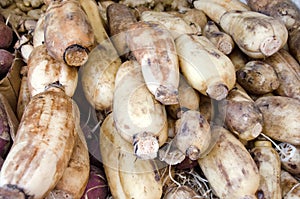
(145, 145)
(270, 46)
(286, 152)
(75, 55)
(252, 133)
(256, 130)
(225, 47)
(217, 91)
(193, 153)
(166, 95)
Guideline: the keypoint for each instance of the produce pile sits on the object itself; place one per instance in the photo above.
(149, 99)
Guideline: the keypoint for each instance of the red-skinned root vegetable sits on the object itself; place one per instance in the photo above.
(6, 60)
(269, 167)
(281, 118)
(220, 39)
(256, 34)
(258, 77)
(289, 185)
(127, 176)
(44, 70)
(6, 36)
(70, 38)
(193, 136)
(229, 167)
(158, 59)
(97, 186)
(288, 72)
(43, 145)
(139, 117)
(242, 116)
(206, 68)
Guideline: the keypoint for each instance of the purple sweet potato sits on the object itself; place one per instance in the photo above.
(6, 35)
(6, 60)
(97, 186)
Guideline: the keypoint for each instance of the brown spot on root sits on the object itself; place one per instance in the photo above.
(224, 173)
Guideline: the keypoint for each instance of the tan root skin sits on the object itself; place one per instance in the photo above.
(256, 34)
(98, 76)
(29, 158)
(153, 47)
(193, 136)
(76, 175)
(232, 165)
(135, 111)
(128, 177)
(44, 70)
(269, 166)
(206, 68)
(73, 29)
(285, 111)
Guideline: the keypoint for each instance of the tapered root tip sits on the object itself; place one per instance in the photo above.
(217, 91)
(145, 146)
(75, 55)
(11, 193)
(166, 96)
(270, 46)
(193, 153)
